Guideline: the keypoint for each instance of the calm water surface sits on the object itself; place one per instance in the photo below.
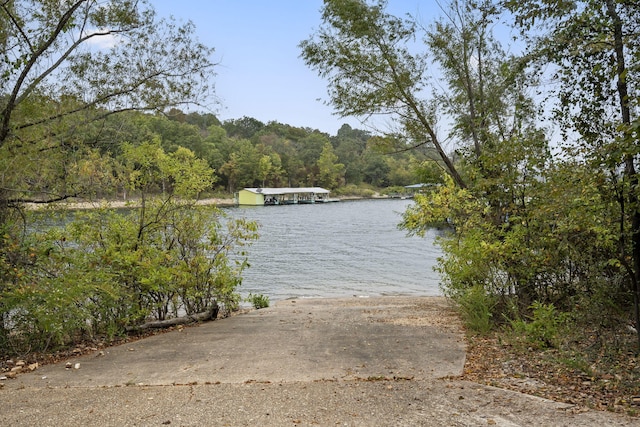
(336, 250)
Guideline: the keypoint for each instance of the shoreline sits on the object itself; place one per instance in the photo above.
(118, 204)
(121, 204)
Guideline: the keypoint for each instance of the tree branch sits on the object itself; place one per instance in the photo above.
(11, 101)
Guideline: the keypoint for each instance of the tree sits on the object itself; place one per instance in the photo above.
(330, 172)
(350, 144)
(216, 146)
(245, 127)
(230, 171)
(376, 169)
(593, 47)
(426, 171)
(174, 134)
(502, 155)
(309, 149)
(363, 53)
(269, 166)
(486, 97)
(265, 167)
(399, 172)
(242, 167)
(283, 154)
(107, 270)
(69, 63)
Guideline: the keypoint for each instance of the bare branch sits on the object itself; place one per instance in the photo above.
(12, 99)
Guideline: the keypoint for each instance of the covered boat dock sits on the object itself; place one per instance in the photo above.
(282, 196)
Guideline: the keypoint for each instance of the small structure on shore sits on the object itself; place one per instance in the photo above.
(420, 188)
(282, 196)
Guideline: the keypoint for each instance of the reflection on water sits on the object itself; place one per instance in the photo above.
(337, 249)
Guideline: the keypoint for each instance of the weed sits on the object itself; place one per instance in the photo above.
(476, 307)
(258, 301)
(541, 331)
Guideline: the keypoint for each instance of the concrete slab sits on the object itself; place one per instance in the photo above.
(295, 340)
(355, 362)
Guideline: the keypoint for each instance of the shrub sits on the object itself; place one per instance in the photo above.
(476, 307)
(258, 301)
(100, 271)
(355, 191)
(542, 330)
(106, 270)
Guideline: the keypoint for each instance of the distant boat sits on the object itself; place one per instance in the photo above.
(326, 200)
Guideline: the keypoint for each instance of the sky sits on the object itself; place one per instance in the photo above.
(260, 72)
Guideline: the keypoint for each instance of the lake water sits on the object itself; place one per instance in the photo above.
(336, 250)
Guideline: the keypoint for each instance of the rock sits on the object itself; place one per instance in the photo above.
(16, 369)
(33, 367)
(76, 366)
(68, 365)
(21, 363)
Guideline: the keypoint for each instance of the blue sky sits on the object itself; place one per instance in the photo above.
(260, 73)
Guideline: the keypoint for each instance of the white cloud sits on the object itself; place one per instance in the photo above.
(102, 39)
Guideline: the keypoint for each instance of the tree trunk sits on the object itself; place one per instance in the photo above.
(159, 324)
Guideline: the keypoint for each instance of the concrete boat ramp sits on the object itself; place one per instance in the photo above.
(387, 361)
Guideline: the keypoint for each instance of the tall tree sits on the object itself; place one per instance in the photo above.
(68, 63)
(265, 168)
(485, 95)
(330, 172)
(246, 127)
(594, 51)
(363, 52)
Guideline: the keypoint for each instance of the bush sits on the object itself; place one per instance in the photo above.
(258, 301)
(542, 330)
(476, 308)
(355, 191)
(101, 271)
(395, 190)
(107, 269)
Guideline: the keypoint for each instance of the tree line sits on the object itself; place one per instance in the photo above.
(242, 152)
(246, 152)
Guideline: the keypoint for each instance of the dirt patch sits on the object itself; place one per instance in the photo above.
(546, 374)
(437, 313)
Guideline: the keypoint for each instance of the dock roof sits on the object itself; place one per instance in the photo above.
(420, 185)
(288, 190)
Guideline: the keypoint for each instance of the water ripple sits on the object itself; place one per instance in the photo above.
(338, 249)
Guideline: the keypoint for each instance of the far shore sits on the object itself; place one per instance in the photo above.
(119, 204)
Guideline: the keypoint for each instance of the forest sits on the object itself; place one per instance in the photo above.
(242, 153)
(534, 151)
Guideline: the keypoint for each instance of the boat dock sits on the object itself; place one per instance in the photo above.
(282, 196)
